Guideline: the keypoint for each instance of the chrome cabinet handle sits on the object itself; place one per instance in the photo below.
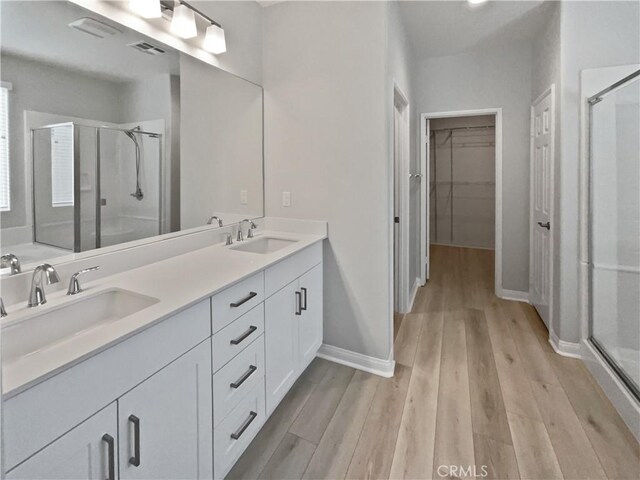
(242, 337)
(135, 460)
(304, 291)
(238, 433)
(111, 456)
(244, 377)
(545, 225)
(244, 300)
(298, 303)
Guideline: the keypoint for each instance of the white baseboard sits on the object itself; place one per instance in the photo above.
(626, 405)
(414, 292)
(515, 295)
(566, 349)
(377, 366)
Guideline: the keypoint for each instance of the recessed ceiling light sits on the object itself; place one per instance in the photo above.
(476, 2)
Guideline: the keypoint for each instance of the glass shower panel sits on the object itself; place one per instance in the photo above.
(130, 183)
(614, 230)
(53, 192)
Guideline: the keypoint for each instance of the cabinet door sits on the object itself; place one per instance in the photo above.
(281, 344)
(88, 451)
(165, 423)
(310, 322)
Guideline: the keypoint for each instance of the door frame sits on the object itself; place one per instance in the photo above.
(402, 172)
(424, 204)
(551, 90)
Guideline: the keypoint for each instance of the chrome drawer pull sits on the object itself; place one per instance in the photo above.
(249, 331)
(244, 300)
(243, 378)
(238, 433)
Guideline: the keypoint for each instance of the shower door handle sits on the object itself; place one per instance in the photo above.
(545, 225)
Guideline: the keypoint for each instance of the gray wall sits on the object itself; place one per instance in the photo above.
(493, 77)
(327, 125)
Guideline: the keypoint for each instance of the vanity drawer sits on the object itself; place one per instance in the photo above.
(286, 271)
(237, 300)
(234, 338)
(231, 437)
(236, 378)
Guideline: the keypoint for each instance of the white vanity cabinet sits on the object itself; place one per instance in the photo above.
(293, 321)
(155, 431)
(86, 452)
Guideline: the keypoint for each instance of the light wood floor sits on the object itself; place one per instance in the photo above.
(476, 385)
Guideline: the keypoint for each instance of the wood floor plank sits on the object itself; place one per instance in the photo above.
(612, 441)
(575, 454)
(256, 456)
(316, 371)
(290, 459)
(537, 326)
(488, 414)
(413, 455)
(494, 459)
(322, 404)
(454, 432)
(335, 450)
(397, 321)
(534, 451)
(534, 360)
(404, 347)
(515, 387)
(374, 452)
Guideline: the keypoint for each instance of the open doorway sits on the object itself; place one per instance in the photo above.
(462, 156)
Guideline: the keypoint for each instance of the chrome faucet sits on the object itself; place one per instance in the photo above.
(42, 273)
(3, 311)
(10, 260)
(74, 284)
(219, 220)
(249, 232)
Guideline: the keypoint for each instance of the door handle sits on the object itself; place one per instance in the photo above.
(111, 456)
(135, 460)
(545, 225)
(304, 291)
(298, 303)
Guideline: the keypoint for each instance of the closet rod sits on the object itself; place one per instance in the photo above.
(479, 127)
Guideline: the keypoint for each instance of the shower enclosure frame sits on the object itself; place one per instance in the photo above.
(599, 347)
(77, 231)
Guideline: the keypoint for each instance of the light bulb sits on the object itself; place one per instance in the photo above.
(146, 8)
(183, 23)
(214, 41)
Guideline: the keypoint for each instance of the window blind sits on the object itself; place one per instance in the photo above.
(5, 187)
(62, 166)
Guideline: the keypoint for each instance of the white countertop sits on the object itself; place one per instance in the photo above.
(177, 283)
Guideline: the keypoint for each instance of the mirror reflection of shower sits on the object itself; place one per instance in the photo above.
(83, 179)
(138, 195)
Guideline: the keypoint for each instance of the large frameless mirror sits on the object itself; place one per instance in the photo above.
(110, 137)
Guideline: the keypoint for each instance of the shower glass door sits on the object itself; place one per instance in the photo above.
(614, 228)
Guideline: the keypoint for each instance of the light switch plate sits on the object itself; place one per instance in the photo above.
(286, 199)
(243, 197)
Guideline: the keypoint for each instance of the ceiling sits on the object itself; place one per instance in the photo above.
(441, 28)
(39, 30)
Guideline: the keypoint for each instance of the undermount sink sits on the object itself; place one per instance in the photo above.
(264, 245)
(58, 324)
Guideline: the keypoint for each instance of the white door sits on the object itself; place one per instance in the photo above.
(281, 342)
(165, 423)
(88, 451)
(541, 244)
(397, 120)
(310, 322)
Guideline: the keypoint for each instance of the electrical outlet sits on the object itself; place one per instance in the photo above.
(286, 199)
(243, 197)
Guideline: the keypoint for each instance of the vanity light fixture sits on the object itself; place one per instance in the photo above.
(214, 40)
(183, 22)
(146, 8)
